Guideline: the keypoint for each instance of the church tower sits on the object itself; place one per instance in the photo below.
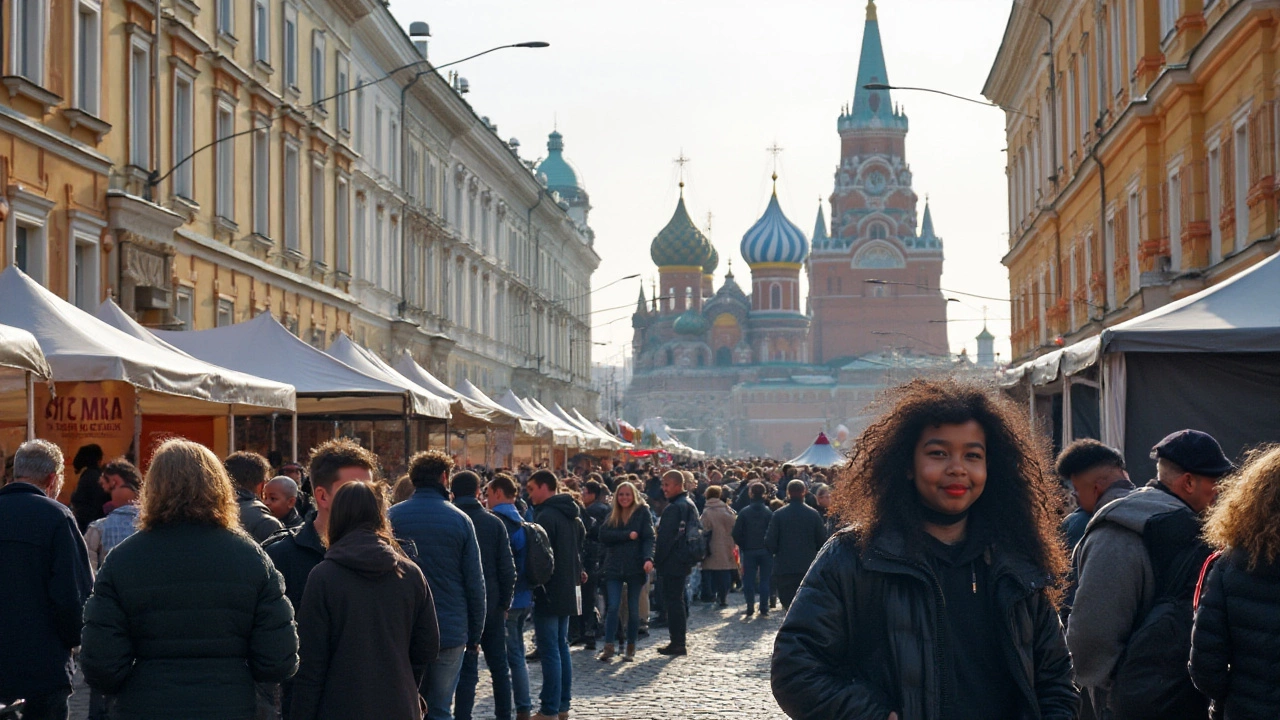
(683, 255)
(776, 250)
(873, 279)
(563, 178)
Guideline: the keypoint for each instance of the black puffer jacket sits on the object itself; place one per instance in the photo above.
(861, 639)
(624, 557)
(561, 517)
(752, 525)
(1235, 646)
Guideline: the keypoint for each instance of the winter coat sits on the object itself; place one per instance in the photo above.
(292, 519)
(667, 555)
(592, 552)
(44, 580)
(495, 555)
(89, 497)
(719, 519)
(623, 557)
(295, 552)
(751, 526)
(367, 630)
(1235, 645)
(863, 637)
(255, 517)
(183, 620)
(1115, 581)
(794, 536)
(447, 552)
(560, 516)
(511, 517)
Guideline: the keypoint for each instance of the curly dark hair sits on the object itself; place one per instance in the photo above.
(330, 456)
(1021, 504)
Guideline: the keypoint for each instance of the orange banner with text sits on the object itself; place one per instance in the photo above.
(82, 413)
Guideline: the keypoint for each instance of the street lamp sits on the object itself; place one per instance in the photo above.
(882, 86)
(875, 281)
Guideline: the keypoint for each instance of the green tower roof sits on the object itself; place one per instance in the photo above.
(680, 243)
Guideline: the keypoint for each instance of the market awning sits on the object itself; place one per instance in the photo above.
(81, 348)
(424, 402)
(467, 390)
(467, 414)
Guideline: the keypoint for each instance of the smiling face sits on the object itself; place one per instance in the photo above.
(626, 497)
(951, 466)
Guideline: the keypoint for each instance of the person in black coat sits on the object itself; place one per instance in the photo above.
(500, 586)
(556, 601)
(89, 496)
(671, 558)
(939, 600)
(1235, 643)
(595, 512)
(46, 579)
(749, 531)
(795, 534)
(627, 538)
(367, 624)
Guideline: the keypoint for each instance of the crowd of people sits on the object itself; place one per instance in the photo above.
(948, 571)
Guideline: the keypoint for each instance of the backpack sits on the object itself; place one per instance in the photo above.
(1151, 679)
(696, 540)
(539, 556)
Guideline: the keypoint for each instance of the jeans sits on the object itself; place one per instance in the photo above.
(787, 586)
(515, 659)
(718, 582)
(494, 644)
(756, 563)
(52, 706)
(552, 635)
(440, 682)
(613, 595)
(673, 599)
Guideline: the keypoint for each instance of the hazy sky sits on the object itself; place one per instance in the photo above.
(632, 84)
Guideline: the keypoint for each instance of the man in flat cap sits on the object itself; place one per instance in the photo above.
(1138, 564)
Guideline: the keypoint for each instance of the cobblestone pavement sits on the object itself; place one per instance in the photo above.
(725, 675)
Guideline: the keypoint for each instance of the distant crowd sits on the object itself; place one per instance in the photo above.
(948, 571)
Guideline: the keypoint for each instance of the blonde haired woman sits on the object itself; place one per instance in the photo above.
(188, 612)
(1235, 645)
(627, 536)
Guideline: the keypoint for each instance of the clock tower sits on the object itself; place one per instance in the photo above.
(873, 280)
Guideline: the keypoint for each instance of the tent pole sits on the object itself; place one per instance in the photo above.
(231, 431)
(406, 430)
(295, 437)
(137, 429)
(31, 406)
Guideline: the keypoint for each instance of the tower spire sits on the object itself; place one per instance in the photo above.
(680, 163)
(775, 150)
(872, 107)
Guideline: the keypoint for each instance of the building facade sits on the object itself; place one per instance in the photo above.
(292, 156)
(1141, 156)
(756, 369)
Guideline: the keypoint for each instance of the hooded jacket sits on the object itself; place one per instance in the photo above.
(1115, 580)
(719, 519)
(367, 630)
(561, 517)
(623, 557)
(522, 599)
(449, 556)
(864, 637)
(1235, 646)
(794, 536)
(495, 555)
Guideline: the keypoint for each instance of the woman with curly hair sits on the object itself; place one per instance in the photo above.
(938, 601)
(188, 612)
(1235, 644)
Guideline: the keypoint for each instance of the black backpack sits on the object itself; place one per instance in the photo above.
(695, 540)
(539, 556)
(1151, 679)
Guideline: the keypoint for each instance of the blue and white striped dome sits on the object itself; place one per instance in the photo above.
(774, 239)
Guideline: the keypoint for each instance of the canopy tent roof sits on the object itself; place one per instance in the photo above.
(560, 433)
(662, 431)
(425, 402)
(471, 392)
(467, 414)
(580, 439)
(590, 432)
(81, 348)
(582, 420)
(264, 347)
(820, 454)
(115, 316)
(20, 352)
(1238, 315)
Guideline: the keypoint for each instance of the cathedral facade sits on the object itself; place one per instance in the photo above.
(756, 367)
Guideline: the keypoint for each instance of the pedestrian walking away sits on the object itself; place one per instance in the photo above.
(749, 530)
(559, 599)
(793, 538)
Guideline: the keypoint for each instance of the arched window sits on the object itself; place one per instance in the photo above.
(724, 357)
(702, 359)
(878, 232)
(775, 297)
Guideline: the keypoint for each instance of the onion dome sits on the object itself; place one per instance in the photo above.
(774, 239)
(713, 262)
(690, 322)
(680, 243)
(561, 176)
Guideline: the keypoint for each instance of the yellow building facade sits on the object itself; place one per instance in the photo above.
(1142, 156)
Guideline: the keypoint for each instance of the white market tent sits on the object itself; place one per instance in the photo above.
(115, 316)
(424, 402)
(467, 413)
(559, 433)
(81, 348)
(21, 364)
(575, 419)
(264, 347)
(596, 427)
(659, 428)
(578, 438)
(1209, 361)
(820, 454)
(471, 392)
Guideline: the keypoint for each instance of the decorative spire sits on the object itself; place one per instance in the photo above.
(926, 227)
(872, 108)
(680, 163)
(775, 151)
(819, 226)
(871, 10)
(640, 304)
